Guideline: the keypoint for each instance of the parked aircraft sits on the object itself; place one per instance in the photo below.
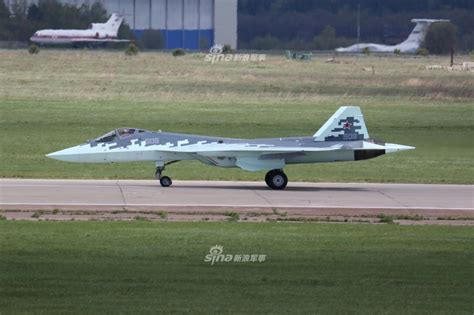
(344, 137)
(410, 45)
(96, 33)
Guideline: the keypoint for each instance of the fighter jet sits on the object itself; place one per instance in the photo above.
(410, 45)
(344, 137)
(96, 33)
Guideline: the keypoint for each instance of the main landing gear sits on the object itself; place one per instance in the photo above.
(276, 179)
(165, 181)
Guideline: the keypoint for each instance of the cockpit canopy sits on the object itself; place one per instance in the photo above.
(121, 133)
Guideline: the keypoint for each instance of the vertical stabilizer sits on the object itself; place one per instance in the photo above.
(111, 27)
(347, 124)
(418, 34)
(114, 22)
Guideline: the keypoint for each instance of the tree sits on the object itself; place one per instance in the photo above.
(19, 8)
(4, 12)
(441, 37)
(326, 40)
(125, 32)
(266, 43)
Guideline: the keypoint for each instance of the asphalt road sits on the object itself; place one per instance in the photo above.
(139, 195)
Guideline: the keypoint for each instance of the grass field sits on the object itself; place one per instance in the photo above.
(61, 98)
(78, 267)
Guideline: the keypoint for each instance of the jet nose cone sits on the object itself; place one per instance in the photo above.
(68, 155)
(392, 147)
(58, 155)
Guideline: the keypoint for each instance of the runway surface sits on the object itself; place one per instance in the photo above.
(139, 195)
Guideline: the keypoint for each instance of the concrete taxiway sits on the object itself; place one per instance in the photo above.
(188, 196)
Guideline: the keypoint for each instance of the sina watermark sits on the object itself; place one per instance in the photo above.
(216, 55)
(216, 255)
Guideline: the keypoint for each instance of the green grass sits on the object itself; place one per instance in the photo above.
(138, 266)
(58, 99)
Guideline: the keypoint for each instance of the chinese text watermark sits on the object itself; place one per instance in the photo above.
(216, 255)
(216, 55)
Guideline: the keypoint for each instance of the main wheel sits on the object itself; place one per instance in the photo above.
(165, 181)
(276, 179)
(268, 177)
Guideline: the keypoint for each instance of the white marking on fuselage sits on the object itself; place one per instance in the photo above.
(181, 142)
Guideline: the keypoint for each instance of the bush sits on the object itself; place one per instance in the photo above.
(178, 52)
(385, 218)
(233, 216)
(33, 49)
(131, 50)
(471, 55)
(366, 51)
(441, 37)
(397, 52)
(227, 49)
(422, 52)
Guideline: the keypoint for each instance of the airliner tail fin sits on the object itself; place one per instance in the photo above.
(418, 34)
(111, 26)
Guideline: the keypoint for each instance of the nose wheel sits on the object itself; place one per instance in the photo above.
(276, 179)
(165, 181)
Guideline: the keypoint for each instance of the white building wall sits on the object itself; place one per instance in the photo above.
(175, 14)
(191, 14)
(206, 12)
(142, 14)
(158, 13)
(225, 22)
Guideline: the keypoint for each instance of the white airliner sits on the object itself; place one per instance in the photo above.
(96, 33)
(410, 45)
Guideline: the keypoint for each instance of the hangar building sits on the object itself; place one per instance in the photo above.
(189, 24)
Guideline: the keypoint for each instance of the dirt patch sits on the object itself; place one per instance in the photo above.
(416, 82)
(273, 215)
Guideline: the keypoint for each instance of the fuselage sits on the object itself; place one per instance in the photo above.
(410, 48)
(130, 145)
(69, 36)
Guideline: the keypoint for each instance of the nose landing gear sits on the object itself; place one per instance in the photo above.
(165, 181)
(276, 179)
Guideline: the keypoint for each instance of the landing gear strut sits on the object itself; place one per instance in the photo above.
(276, 179)
(165, 181)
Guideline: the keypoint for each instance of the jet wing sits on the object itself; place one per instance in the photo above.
(248, 157)
(233, 149)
